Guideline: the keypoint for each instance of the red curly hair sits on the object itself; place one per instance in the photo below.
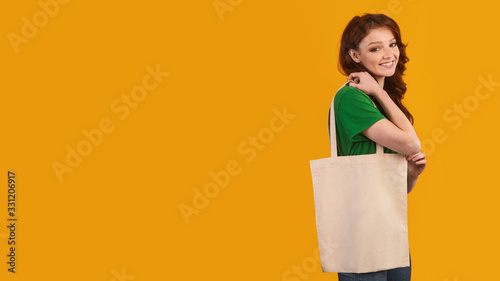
(354, 33)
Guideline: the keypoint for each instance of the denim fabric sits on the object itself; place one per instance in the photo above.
(396, 274)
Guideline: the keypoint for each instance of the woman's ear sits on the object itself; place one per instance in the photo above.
(354, 55)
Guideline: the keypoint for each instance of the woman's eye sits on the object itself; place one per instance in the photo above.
(393, 45)
(374, 50)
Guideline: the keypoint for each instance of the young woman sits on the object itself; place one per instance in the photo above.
(373, 57)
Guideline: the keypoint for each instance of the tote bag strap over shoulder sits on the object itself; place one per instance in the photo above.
(333, 138)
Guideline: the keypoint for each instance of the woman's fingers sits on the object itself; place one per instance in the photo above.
(416, 157)
(354, 84)
(355, 76)
(354, 79)
(421, 162)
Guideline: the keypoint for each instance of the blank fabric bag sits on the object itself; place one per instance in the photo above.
(361, 211)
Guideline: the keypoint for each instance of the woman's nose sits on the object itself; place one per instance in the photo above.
(388, 53)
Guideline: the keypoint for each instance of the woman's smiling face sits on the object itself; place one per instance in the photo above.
(378, 52)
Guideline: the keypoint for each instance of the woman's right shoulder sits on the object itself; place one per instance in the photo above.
(348, 93)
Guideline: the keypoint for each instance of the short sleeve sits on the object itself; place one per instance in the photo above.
(356, 112)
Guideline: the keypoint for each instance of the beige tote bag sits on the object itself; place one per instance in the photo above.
(361, 211)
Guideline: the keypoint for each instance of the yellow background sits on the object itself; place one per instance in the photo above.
(118, 212)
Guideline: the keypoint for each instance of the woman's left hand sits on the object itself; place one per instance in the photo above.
(416, 164)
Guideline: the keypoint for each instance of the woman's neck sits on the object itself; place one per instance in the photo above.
(380, 80)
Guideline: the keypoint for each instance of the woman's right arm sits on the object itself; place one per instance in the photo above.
(398, 133)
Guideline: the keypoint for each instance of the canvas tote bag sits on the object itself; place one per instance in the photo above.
(361, 211)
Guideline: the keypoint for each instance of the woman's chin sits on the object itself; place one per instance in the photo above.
(387, 73)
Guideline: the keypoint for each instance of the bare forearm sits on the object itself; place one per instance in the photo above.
(394, 113)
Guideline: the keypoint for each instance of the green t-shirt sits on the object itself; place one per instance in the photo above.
(354, 112)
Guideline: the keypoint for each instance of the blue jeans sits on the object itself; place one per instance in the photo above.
(395, 274)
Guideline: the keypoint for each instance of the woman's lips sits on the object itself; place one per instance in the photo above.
(387, 65)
